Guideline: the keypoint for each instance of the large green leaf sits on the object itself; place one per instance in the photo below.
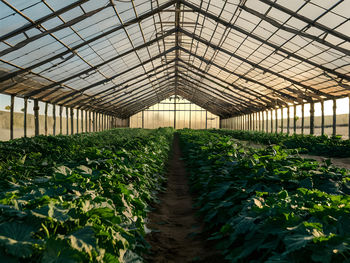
(59, 251)
(83, 240)
(16, 239)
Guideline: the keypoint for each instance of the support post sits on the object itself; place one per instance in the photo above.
(89, 126)
(189, 126)
(349, 119)
(82, 120)
(46, 106)
(77, 121)
(302, 118)
(276, 120)
(267, 121)
(93, 121)
(36, 117)
(67, 119)
(312, 118)
(206, 119)
(12, 115)
(288, 119)
(61, 119)
(334, 117)
(262, 122)
(175, 112)
(71, 120)
(271, 121)
(282, 120)
(295, 119)
(322, 117)
(54, 119)
(25, 116)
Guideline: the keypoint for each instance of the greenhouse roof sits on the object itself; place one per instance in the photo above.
(122, 56)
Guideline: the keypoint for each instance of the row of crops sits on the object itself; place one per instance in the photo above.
(80, 198)
(324, 145)
(268, 204)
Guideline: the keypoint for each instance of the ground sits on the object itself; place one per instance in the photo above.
(176, 237)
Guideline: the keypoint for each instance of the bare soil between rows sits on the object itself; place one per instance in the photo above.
(176, 231)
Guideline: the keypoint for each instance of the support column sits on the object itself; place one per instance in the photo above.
(82, 120)
(54, 119)
(77, 120)
(25, 116)
(288, 119)
(302, 118)
(61, 119)
(349, 120)
(282, 120)
(89, 123)
(267, 121)
(206, 119)
(312, 118)
(334, 117)
(175, 112)
(322, 117)
(12, 107)
(191, 118)
(262, 122)
(46, 106)
(71, 120)
(67, 120)
(271, 121)
(94, 121)
(295, 119)
(276, 120)
(36, 117)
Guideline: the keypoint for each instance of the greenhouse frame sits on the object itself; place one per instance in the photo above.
(174, 131)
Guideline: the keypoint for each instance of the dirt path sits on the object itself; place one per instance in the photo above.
(175, 222)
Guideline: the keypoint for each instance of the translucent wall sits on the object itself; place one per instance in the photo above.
(63, 125)
(188, 115)
(267, 120)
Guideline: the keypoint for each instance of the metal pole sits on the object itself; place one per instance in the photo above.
(302, 118)
(67, 120)
(46, 106)
(288, 119)
(271, 121)
(61, 121)
(282, 120)
(334, 117)
(276, 121)
(25, 116)
(295, 119)
(77, 120)
(72, 120)
(54, 119)
(312, 118)
(36, 116)
(175, 112)
(11, 115)
(206, 119)
(322, 117)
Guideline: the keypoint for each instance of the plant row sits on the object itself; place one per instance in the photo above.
(332, 146)
(268, 205)
(79, 198)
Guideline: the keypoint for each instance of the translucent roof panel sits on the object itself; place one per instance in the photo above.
(121, 56)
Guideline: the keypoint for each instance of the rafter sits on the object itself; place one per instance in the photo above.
(274, 46)
(115, 29)
(255, 65)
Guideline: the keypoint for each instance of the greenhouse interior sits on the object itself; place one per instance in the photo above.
(174, 131)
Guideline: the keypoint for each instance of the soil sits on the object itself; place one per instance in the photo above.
(176, 231)
(338, 162)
